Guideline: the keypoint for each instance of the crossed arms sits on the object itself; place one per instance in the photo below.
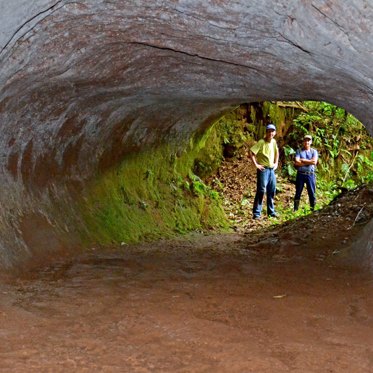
(299, 162)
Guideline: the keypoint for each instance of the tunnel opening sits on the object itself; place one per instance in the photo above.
(344, 146)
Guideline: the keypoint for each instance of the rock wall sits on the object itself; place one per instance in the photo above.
(84, 83)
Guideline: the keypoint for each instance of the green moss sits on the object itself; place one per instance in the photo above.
(150, 195)
(277, 114)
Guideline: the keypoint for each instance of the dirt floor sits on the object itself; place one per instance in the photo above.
(261, 301)
(294, 297)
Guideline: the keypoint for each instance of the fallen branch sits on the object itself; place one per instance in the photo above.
(358, 214)
(295, 105)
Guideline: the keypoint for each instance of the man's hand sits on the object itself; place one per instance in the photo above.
(307, 162)
(257, 165)
(275, 166)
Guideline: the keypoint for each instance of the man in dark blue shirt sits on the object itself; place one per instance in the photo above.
(305, 162)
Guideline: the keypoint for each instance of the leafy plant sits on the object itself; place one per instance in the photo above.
(342, 141)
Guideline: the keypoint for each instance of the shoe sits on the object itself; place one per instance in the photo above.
(256, 217)
(296, 205)
(275, 215)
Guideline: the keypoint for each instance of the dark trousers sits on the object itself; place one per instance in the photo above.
(265, 183)
(310, 181)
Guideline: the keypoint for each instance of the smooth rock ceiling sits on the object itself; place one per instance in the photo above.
(85, 82)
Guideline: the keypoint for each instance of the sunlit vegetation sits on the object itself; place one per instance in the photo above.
(344, 146)
(151, 195)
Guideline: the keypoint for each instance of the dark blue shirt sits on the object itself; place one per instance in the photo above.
(307, 154)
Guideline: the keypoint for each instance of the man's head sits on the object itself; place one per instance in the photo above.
(270, 131)
(307, 141)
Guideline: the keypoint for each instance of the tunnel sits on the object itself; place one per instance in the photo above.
(85, 84)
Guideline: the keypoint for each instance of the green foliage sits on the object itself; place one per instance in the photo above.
(233, 131)
(150, 195)
(208, 155)
(288, 167)
(345, 148)
(288, 150)
(350, 184)
(328, 190)
(291, 171)
(341, 140)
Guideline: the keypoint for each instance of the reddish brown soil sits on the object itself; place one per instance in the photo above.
(225, 303)
(274, 301)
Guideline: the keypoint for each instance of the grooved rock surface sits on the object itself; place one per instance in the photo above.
(84, 83)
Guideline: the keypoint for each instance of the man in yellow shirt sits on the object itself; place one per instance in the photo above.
(264, 155)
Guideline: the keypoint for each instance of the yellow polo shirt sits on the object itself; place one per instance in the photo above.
(265, 152)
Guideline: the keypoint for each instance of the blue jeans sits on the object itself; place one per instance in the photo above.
(265, 183)
(310, 181)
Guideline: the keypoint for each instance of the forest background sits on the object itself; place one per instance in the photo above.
(345, 154)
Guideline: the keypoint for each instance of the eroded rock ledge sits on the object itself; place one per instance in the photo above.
(83, 83)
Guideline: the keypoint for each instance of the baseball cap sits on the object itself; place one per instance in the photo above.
(271, 127)
(307, 137)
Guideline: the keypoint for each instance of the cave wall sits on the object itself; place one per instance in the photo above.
(84, 83)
